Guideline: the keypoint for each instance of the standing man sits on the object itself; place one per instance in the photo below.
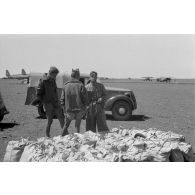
(47, 94)
(97, 96)
(74, 100)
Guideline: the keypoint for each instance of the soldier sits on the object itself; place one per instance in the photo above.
(47, 94)
(74, 100)
(97, 96)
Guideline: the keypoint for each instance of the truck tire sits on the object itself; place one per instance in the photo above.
(121, 110)
(41, 111)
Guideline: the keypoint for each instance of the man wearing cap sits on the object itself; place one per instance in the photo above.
(97, 96)
(47, 94)
(74, 100)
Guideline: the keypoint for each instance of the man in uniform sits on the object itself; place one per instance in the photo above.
(47, 94)
(74, 100)
(97, 96)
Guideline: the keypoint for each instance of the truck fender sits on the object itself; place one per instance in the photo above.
(110, 102)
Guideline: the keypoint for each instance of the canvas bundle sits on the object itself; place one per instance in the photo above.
(119, 145)
(15, 149)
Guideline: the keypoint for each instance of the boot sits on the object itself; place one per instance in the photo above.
(65, 132)
(65, 128)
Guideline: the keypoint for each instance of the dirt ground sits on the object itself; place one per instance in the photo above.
(160, 105)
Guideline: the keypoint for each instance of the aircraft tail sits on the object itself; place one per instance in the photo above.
(23, 72)
(7, 73)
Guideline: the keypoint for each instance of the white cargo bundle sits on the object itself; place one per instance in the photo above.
(118, 145)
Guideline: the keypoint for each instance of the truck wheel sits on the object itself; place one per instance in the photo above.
(121, 111)
(41, 111)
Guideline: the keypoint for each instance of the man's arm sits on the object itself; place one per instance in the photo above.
(103, 93)
(102, 99)
(62, 99)
(84, 96)
(40, 90)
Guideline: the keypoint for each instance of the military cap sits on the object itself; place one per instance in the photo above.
(75, 72)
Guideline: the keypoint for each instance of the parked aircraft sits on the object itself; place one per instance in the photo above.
(21, 76)
(147, 78)
(103, 78)
(164, 79)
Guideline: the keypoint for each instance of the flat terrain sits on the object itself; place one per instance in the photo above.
(160, 105)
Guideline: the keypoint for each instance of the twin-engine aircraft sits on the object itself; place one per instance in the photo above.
(21, 76)
(164, 79)
(147, 78)
(160, 79)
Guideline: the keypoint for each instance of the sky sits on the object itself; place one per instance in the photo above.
(115, 56)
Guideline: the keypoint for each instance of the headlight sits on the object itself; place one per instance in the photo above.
(128, 94)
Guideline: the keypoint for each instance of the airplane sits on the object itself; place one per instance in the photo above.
(147, 78)
(21, 76)
(103, 78)
(164, 79)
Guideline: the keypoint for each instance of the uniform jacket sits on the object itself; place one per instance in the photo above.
(47, 91)
(95, 91)
(74, 96)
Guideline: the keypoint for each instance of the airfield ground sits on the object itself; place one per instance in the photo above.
(162, 106)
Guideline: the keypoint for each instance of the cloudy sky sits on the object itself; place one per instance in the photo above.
(119, 56)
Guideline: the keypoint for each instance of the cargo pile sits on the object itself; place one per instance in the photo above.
(118, 145)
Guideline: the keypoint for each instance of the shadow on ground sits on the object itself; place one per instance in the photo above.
(40, 117)
(133, 118)
(7, 125)
(110, 117)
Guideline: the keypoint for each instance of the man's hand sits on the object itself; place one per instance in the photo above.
(99, 100)
(36, 102)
